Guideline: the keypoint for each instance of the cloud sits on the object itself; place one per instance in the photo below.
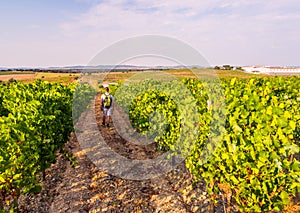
(161, 16)
(142, 16)
(226, 31)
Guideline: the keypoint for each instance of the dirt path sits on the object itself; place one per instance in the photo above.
(88, 189)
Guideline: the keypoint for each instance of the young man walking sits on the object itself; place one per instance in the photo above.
(107, 107)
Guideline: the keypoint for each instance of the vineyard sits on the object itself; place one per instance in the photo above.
(253, 156)
(36, 122)
(245, 146)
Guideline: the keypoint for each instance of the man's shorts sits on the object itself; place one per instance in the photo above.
(107, 112)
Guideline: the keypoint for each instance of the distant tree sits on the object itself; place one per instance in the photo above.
(217, 67)
(227, 67)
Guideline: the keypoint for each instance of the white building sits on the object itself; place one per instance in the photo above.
(271, 70)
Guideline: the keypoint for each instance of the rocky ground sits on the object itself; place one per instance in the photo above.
(86, 188)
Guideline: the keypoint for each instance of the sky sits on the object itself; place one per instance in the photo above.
(46, 33)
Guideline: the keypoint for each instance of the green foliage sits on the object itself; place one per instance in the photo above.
(256, 156)
(35, 122)
(83, 94)
(158, 110)
(156, 115)
(112, 88)
(254, 153)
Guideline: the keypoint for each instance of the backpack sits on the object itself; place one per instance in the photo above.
(107, 101)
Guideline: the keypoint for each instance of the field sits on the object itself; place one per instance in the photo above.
(180, 74)
(28, 77)
(250, 123)
(15, 73)
(17, 76)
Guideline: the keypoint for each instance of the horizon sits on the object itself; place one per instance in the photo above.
(142, 66)
(55, 33)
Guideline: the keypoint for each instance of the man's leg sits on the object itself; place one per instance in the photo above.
(108, 121)
(103, 120)
(109, 113)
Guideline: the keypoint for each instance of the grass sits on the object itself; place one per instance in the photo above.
(237, 74)
(193, 73)
(16, 73)
(122, 76)
(180, 74)
(54, 77)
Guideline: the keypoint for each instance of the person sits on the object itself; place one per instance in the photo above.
(106, 107)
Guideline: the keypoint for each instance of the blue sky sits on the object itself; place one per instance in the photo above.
(71, 32)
